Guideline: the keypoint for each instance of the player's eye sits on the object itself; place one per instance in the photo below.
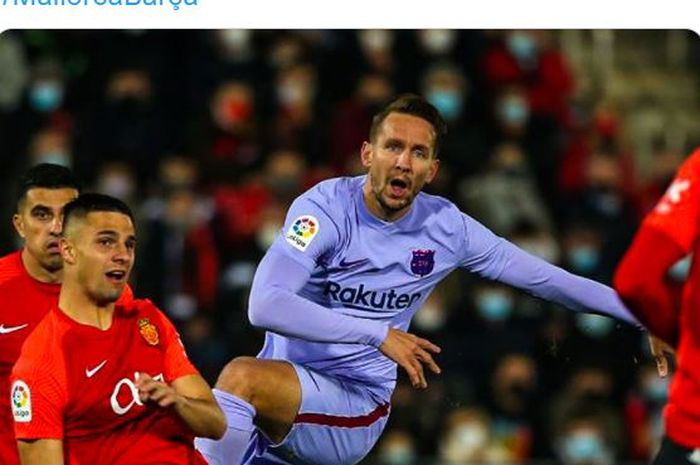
(105, 241)
(393, 146)
(42, 215)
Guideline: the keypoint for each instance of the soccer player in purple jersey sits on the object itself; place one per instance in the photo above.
(336, 292)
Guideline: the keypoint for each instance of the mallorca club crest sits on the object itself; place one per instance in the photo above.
(422, 261)
(149, 331)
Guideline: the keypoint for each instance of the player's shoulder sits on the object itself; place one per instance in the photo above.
(332, 191)
(11, 269)
(47, 333)
(145, 312)
(438, 209)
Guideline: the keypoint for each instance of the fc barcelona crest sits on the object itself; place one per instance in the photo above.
(422, 262)
(148, 331)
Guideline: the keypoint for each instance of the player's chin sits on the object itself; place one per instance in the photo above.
(112, 292)
(53, 262)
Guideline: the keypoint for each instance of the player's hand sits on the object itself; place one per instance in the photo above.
(159, 392)
(411, 353)
(661, 352)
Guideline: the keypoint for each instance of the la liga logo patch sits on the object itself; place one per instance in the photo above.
(21, 399)
(302, 232)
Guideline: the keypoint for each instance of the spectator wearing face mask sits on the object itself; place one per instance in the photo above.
(466, 438)
(352, 118)
(531, 59)
(129, 124)
(504, 194)
(513, 417)
(397, 447)
(296, 123)
(644, 412)
(464, 147)
(585, 438)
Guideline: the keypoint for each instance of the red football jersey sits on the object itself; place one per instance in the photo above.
(678, 215)
(25, 301)
(77, 383)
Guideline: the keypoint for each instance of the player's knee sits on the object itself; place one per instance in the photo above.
(238, 377)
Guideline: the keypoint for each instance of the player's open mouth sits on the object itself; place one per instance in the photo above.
(52, 247)
(398, 187)
(116, 276)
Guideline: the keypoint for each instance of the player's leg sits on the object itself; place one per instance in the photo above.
(338, 424)
(675, 454)
(250, 391)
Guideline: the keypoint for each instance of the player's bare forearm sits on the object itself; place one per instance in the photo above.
(411, 353)
(40, 451)
(191, 398)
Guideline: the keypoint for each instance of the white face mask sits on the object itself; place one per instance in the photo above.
(430, 318)
(267, 234)
(235, 39)
(438, 41)
(121, 187)
(375, 40)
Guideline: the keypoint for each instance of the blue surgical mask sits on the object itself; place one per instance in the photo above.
(594, 325)
(584, 259)
(680, 270)
(656, 389)
(398, 455)
(514, 111)
(494, 305)
(583, 447)
(56, 157)
(46, 96)
(447, 102)
(522, 46)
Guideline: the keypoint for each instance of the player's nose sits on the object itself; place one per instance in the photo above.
(403, 161)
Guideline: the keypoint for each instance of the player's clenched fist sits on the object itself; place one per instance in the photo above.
(411, 352)
(155, 391)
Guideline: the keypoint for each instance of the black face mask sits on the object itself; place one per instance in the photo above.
(522, 392)
(131, 105)
(594, 398)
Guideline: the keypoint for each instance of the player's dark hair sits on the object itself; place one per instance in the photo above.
(46, 176)
(414, 105)
(92, 202)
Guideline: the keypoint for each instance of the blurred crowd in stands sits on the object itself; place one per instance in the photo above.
(209, 135)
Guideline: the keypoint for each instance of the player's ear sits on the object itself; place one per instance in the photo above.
(432, 172)
(67, 250)
(18, 223)
(366, 154)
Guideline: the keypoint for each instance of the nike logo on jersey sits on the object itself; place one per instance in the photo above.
(12, 329)
(354, 263)
(91, 373)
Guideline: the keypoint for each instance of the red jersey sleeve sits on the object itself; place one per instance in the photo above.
(677, 212)
(177, 364)
(38, 393)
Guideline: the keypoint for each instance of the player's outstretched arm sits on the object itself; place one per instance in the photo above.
(411, 353)
(191, 398)
(40, 451)
(274, 305)
(495, 258)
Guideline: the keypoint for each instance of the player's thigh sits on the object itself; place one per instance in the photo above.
(338, 424)
(671, 453)
(271, 386)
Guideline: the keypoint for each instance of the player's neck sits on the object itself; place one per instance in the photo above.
(77, 305)
(37, 271)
